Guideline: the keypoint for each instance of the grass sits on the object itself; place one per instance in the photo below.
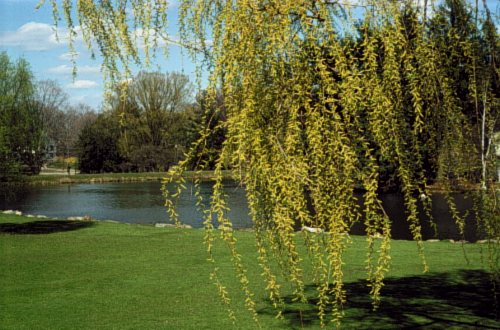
(101, 275)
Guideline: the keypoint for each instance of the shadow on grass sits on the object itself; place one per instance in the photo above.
(459, 300)
(43, 227)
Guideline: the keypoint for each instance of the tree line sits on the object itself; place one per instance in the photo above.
(37, 121)
(148, 124)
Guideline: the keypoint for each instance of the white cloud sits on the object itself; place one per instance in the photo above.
(68, 69)
(34, 36)
(82, 84)
(31, 36)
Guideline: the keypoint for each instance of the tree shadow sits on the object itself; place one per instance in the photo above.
(43, 227)
(460, 300)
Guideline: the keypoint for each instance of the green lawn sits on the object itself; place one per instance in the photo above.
(101, 275)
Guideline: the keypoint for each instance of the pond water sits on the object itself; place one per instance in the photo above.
(142, 202)
(132, 202)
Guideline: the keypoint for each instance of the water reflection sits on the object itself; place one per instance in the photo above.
(142, 202)
(393, 204)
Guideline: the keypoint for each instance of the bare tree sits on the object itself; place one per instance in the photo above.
(51, 95)
(154, 96)
(151, 110)
(61, 121)
(51, 99)
(74, 119)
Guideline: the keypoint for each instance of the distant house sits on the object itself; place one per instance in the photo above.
(50, 151)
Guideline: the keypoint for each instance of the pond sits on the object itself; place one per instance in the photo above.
(131, 202)
(142, 202)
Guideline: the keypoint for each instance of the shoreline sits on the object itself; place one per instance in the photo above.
(89, 219)
(59, 179)
(55, 179)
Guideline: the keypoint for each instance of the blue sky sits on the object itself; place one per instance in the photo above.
(26, 32)
(29, 33)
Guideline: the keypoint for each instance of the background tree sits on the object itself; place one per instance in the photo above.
(9, 167)
(51, 99)
(61, 122)
(20, 118)
(98, 146)
(470, 53)
(151, 110)
(152, 116)
(73, 120)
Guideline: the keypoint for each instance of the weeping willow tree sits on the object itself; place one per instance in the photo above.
(321, 98)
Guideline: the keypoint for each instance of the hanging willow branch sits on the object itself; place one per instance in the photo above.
(312, 116)
(318, 106)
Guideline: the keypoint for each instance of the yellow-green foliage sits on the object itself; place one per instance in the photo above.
(315, 106)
